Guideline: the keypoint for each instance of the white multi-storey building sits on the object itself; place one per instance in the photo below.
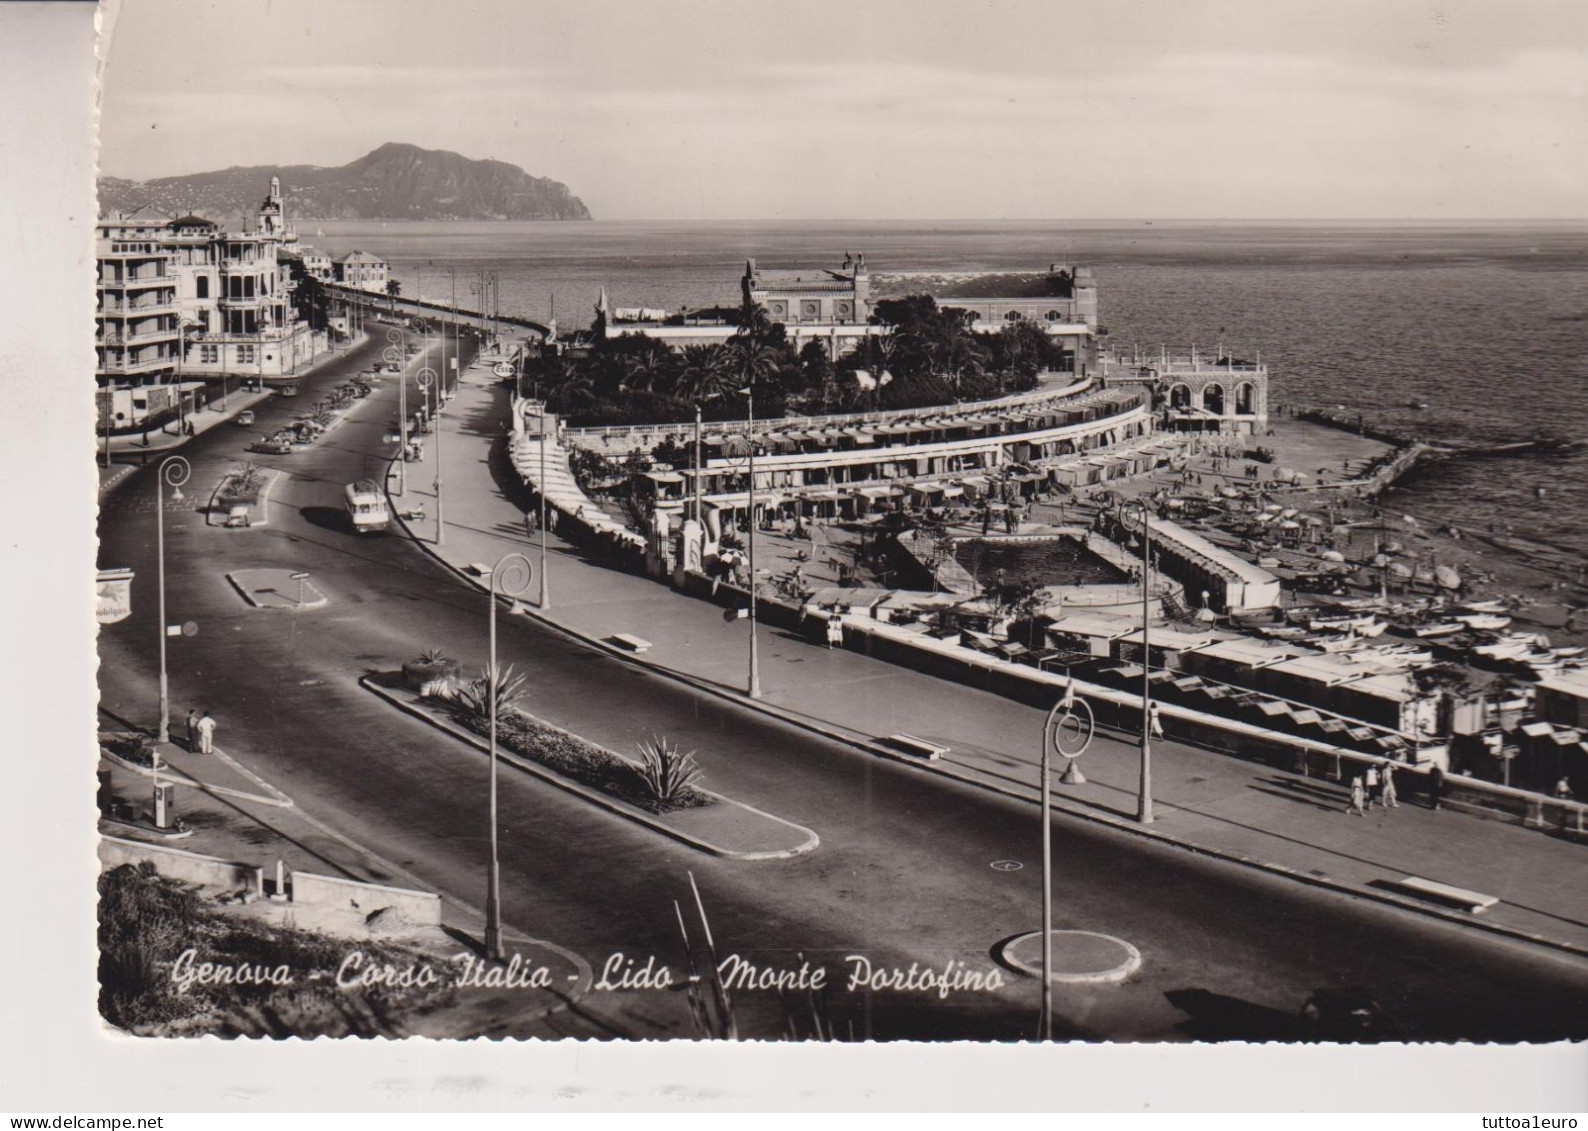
(183, 299)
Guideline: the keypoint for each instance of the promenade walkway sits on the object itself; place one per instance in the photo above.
(1206, 801)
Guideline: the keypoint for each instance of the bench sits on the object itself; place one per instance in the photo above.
(632, 643)
(1460, 898)
(920, 747)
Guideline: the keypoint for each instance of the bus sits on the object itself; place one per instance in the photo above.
(366, 507)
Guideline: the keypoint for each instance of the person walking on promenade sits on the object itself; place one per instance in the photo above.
(1436, 786)
(1563, 788)
(192, 729)
(1371, 783)
(835, 631)
(206, 734)
(1386, 793)
(1358, 804)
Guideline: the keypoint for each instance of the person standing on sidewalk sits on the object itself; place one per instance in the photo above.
(1358, 804)
(1436, 785)
(192, 729)
(206, 733)
(1372, 785)
(1386, 793)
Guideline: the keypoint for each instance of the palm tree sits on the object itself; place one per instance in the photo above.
(393, 290)
(706, 374)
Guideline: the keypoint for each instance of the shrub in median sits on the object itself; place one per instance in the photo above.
(433, 671)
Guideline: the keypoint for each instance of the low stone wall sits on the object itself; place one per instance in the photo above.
(419, 907)
(206, 871)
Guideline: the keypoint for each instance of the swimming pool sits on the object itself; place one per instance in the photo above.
(1049, 561)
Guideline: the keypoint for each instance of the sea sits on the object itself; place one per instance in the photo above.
(1467, 333)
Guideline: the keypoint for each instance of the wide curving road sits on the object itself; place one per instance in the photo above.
(903, 873)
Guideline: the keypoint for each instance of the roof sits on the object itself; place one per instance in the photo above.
(192, 221)
(360, 257)
(1166, 531)
(1093, 624)
(989, 285)
(1572, 683)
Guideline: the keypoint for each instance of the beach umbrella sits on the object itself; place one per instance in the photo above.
(1447, 577)
(1400, 569)
(1333, 556)
(1288, 512)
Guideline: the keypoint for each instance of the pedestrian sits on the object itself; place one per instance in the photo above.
(206, 733)
(1358, 804)
(1436, 786)
(1387, 789)
(1371, 783)
(1563, 788)
(835, 631)
(192, 729)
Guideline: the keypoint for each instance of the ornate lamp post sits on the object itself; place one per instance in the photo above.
(397, 354)
(509, 577)
(545, 581)
(1068, 732)
(755, 660)
(174, 470)
(1142, 516)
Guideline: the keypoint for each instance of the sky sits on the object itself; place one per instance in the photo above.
(889, 109)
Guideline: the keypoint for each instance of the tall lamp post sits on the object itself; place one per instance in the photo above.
(174, 470)
(427, 381)
(509, 577)
(755, 660)
(397, 354)
(1068, 732)
(545, 582)
(1141, 515)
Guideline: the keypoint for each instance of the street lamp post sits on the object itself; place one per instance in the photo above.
(174, 470)
(1068, 731)
(398, 350)
(545, 582)
(427, 381)
(1144, 798)
(755, 661)
(509, 577)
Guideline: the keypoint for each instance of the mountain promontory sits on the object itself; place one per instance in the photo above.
(393, 182)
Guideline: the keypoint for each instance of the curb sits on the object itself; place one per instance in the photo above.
(183, 778)
(867, 746)
(612, 805)
(272, 474)
(1132, 961)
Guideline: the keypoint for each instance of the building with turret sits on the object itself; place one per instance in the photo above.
(838, 307)
(182, 300)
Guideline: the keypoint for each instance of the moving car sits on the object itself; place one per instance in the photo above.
(246, 417)
(367, 507)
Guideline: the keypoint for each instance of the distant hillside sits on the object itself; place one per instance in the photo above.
(394, 182)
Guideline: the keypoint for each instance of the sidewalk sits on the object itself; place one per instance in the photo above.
(1205, 801)
(231, 813)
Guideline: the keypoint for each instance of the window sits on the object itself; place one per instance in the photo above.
(209, 355)
(1054, 316)
(1012, 316)
(203, 282)
(245, 355)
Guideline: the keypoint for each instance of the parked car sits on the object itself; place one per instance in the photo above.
(246, 417)
(271, 447)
